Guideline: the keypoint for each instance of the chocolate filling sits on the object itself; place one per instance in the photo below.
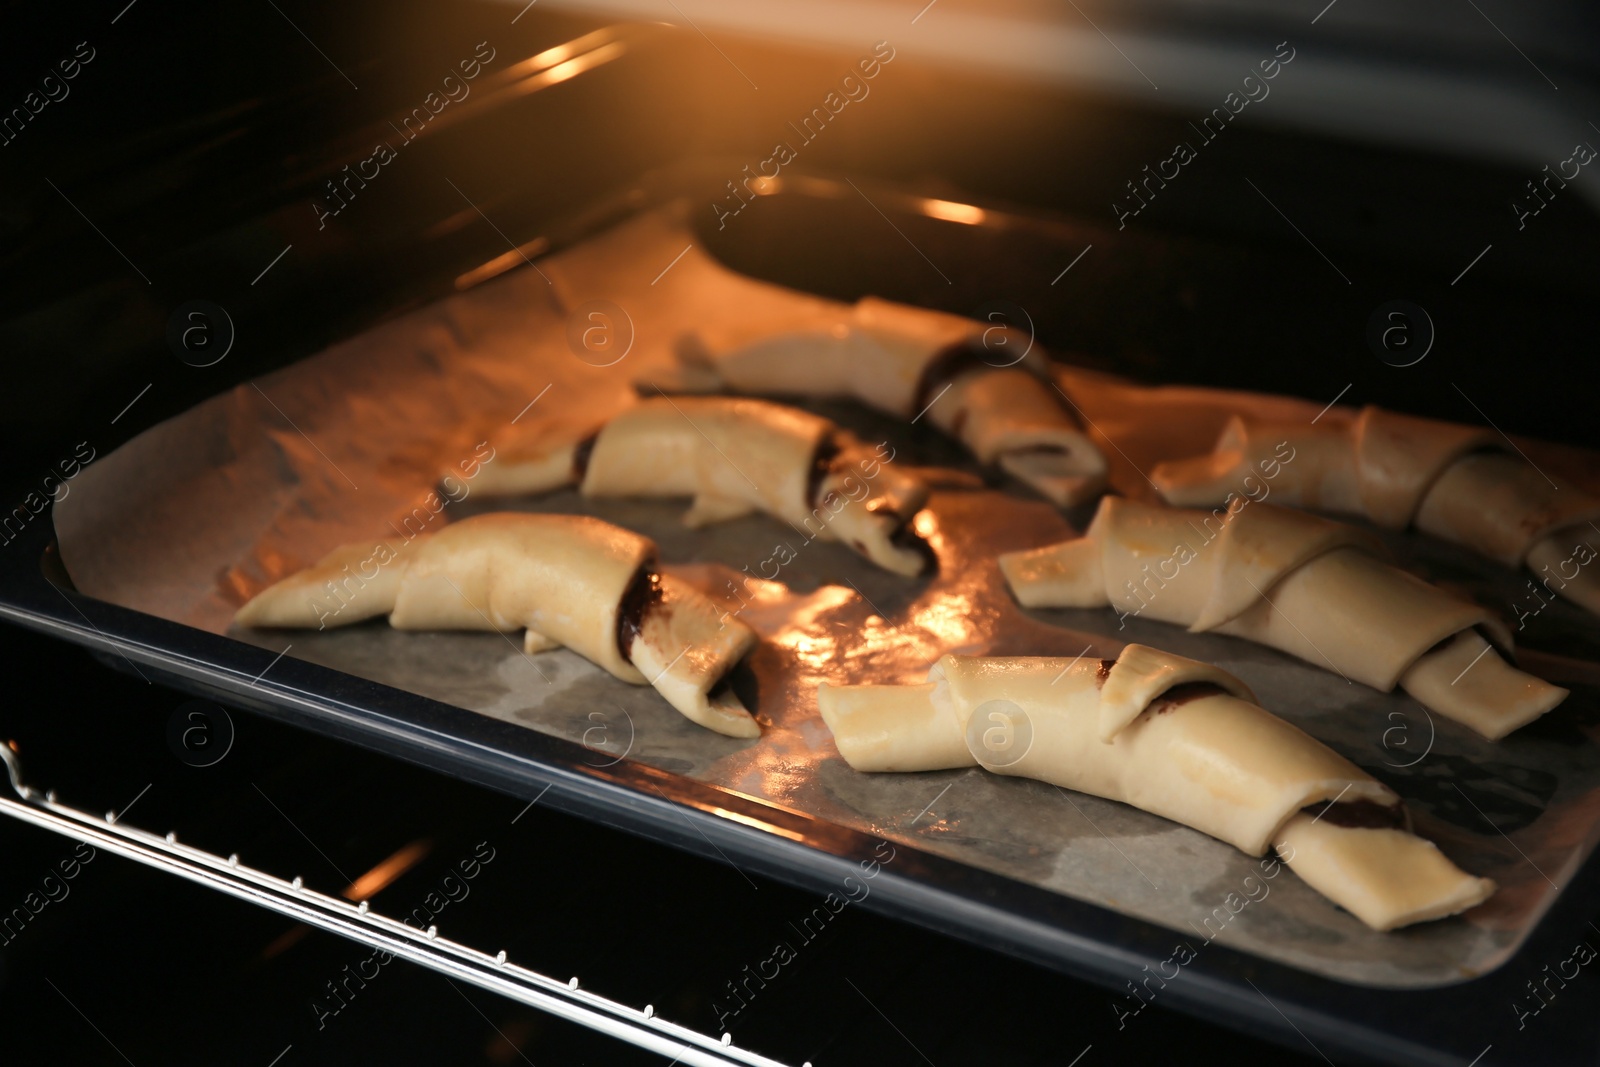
(1180, 695)
(642, 596)
(1103, 672)
(1440, 645)
(1444, 642)
(946, 365)
(821, 463)
(1359, 814)
(581, 454)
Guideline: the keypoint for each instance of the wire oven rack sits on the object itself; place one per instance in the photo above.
(358, 922)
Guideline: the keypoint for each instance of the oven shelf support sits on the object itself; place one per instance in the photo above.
(358, 922)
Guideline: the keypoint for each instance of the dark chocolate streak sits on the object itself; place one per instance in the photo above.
(905, 537)
(821, 463)
(951, 362)
(642, 596)
(1103, 672)
(1180, 695)
(945, 366)
(1479, 630)
(581, 454)
(1359, 814)
(1439, 645)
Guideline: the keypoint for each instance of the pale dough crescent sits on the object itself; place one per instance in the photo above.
(986, 385)
(1191, 746)
(1459, 483)
(1308, 586)
(732, 456)
(568, 580)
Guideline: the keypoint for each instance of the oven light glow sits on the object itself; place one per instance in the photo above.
(559, 54)
(387, 871)
(577, 65)
(953, 212)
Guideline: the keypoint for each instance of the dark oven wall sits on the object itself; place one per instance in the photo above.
(192, 155)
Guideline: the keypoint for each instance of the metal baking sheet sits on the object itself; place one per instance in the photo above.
(343, 446)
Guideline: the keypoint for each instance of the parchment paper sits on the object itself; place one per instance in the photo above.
(198, 513)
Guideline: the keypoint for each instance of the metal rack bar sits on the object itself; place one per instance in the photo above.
(358, 922)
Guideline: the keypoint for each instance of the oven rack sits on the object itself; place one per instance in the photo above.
(358, 922)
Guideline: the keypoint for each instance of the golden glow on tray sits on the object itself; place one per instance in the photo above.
(949, 618)
(806, 634)
(792, 835)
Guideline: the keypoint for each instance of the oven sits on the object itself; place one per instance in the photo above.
(261, 258)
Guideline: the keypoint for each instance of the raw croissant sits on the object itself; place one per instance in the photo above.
(733, 456)
(566, 579)
(1181, 739)
(1459, 483)
(982, 385)
(1307, 586)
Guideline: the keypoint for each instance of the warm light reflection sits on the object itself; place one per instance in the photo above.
(285, 941)
(363, 888)
(953, 212)
(568, 69)
(808, 639)
(559, 54)
(819, 187)
(550, 67)
(792, 835)
(450, 224)
(926, 526)
(811, 650)
(384, 874)
(949, 618)
(525, 253)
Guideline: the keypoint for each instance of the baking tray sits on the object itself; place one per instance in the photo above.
(655, 784)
